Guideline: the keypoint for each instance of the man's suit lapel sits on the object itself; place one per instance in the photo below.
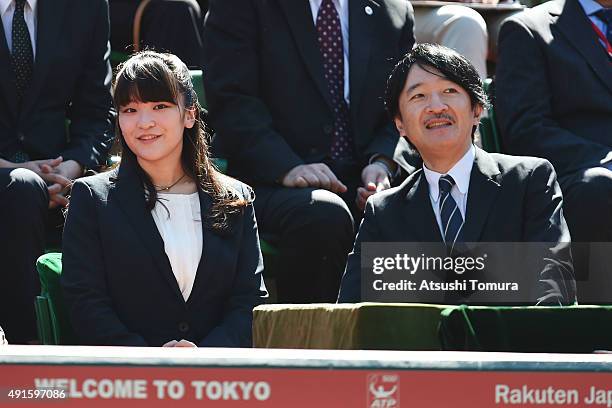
(361, 25)
(50, 19)
(299, 18)
(482, 194)
(420, 221)
(575, 26)
(130, 193)
(7, 77)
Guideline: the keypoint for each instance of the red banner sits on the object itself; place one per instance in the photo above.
(117, 387)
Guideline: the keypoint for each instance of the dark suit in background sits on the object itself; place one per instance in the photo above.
(554, 100)
(118, 282)
(71, 80)
(166, 26)
(271, 109)
(510, 199)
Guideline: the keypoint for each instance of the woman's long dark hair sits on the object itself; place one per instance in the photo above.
(149, 76)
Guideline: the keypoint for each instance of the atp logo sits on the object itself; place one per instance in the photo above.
(383, 391)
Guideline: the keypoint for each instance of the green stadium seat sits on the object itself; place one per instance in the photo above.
(51, 314)
(544, 329)
(198, 84)
(489, 134)
(117, 57)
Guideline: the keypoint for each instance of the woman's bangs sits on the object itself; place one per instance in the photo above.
(144, 86)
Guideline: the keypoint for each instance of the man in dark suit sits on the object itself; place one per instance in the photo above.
(170, 26)
(462, 193)
(554, 100)
(295, 96)
(55, 120)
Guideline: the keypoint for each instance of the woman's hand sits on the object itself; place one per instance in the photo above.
(181, 343)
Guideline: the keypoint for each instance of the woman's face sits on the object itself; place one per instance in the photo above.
(154, 130)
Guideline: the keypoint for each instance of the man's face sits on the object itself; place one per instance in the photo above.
(436, 115)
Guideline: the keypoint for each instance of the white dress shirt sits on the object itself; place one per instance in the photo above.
(460, 172)
(7, 9)
(342, 9)
(180, 226)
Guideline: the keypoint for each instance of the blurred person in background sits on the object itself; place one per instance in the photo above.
(164, 25)
(294, 91)
(554, 100)
(56, 120)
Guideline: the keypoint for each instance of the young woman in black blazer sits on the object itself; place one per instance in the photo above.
(163, 250)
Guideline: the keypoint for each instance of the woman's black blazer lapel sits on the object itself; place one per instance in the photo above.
(211, 250)
(130, 195)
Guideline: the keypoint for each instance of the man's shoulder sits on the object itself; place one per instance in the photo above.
(398, 5)
(520, 166)
(538, 16)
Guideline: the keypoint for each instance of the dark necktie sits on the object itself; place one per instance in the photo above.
(329, 36)
(23, 56)
(606, 16)
(450, 215)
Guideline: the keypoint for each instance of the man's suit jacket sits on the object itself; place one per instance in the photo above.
(510, 199)
(71, 80)
(554, 87)
(118, 282)
(159, 28)
(267, 96)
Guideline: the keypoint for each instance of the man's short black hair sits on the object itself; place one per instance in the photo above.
(452, 65)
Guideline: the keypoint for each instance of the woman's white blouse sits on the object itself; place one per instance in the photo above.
(180, 226)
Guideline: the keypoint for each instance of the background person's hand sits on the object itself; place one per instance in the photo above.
(70, 169)
(56, 173)
(59, 180)
(40, 166)
(316, 175)
(375, 178)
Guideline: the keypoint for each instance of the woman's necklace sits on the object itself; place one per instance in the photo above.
(166, 188)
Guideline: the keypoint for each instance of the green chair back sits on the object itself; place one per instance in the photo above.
(51, 314)
(489, 134)
(117, 57)
(43, 320)
(198, 83)
(544, 329)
